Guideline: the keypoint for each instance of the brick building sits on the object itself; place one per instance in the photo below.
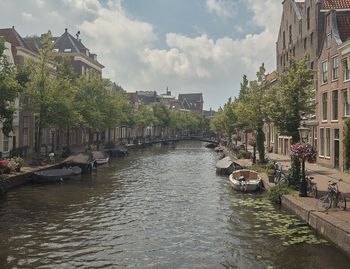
(334, 81)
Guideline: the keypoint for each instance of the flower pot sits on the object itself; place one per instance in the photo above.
(18, 169)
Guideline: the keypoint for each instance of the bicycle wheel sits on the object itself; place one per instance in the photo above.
(277, 178)
(341, 201)
(324, 203)
(313, 191)
(284, 182)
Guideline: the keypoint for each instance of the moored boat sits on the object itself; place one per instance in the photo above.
(100, 157)
(85, 160)
(53, 175)
(245, 180)
(226, 166)
(117, 151)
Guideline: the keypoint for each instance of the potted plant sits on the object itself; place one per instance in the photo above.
(19, 162)
(12, 165)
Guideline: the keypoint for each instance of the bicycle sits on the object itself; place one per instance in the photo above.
(333, 198)
(311, 186)
(281, 178)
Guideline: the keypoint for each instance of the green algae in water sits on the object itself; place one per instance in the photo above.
(277, 224)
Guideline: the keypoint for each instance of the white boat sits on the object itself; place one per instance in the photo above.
(100, 157)
(245, 180)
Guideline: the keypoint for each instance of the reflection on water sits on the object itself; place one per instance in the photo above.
(158, 208)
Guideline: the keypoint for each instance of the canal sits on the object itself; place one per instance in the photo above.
(162, 207)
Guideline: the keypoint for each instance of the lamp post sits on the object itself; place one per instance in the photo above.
(304, 133)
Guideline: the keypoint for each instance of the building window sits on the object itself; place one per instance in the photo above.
(312, 65)
(305, 43)
(335, 71)
(321, 141)
(290, 34)
(5, 143)
(284, 40)
(300, 27)
(311, 38)
(294, 52)
(328, 142)
(315, 137)
(25, 137)
(346, 105)
(308, 17)
(335, 105)
(324, 106)
(325, 72)
(347, 69)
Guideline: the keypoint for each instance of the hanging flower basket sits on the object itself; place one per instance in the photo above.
(304, 152)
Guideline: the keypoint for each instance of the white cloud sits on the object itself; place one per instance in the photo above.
(126, 45)
(28, 16)
(219, 7)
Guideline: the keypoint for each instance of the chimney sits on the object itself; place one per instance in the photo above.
(65, 30)
(13, 27)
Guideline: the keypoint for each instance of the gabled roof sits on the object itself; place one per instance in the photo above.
(335, 4)
(11, 36)
(190, 100)
(343, 25)
(33, 43)
(68, 43)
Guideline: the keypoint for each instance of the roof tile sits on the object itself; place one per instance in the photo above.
(335, 4)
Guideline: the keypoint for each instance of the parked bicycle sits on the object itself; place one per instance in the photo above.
(333, 198)
(311, 187)
(281, 178)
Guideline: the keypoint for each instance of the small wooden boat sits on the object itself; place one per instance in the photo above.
(225, 166)
(53, 175)
(100, 157)
(245, 180)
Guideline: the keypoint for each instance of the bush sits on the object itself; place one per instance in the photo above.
(242, 154)
(276, 193)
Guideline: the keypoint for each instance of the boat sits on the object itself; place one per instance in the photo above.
(245, 180)
(211, 145)
(226, 166)
(85, 160)
(117, 151)
(54, 175)
(100, 157)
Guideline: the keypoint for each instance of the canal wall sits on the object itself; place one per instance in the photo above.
(335, 229)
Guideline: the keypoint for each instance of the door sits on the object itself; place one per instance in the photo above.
(336, 148)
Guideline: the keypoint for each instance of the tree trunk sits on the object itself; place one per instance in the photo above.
(68, 139)
(260, 139)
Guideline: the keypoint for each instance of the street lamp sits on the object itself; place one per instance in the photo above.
(304, 133)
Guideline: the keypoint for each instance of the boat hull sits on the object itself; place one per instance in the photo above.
(245, 181)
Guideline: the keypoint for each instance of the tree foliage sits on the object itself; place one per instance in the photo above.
(10, 86)
(290, 101)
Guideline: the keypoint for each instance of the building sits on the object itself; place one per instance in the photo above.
(334, 81)
(301, 33)
(192, 102)
(7, 143)
(24, 141)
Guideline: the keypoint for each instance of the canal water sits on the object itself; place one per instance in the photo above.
(162, 207)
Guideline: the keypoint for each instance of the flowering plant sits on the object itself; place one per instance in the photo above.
(304, 151)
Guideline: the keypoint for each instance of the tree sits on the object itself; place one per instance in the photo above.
(64, 112)
(290, 101)
(92, 103)
(162, 113)
(144, 117)
(251, 112)
(244, 88)
(10, 86)
(39, 93)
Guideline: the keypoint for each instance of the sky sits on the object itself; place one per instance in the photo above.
(189, 46)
